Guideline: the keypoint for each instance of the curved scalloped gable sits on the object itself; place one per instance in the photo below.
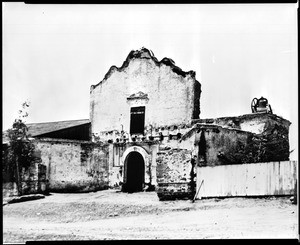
(171, 96)
(144, 53)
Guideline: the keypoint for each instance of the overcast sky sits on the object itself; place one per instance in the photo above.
(53, 53)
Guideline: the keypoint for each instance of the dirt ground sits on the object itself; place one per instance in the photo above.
(111, 214)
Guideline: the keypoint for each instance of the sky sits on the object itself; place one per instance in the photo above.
(52, 54)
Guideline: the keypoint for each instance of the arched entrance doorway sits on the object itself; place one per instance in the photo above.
(134, 172)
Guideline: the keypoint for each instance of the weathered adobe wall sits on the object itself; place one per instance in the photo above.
(175, 174)
(169, 133)
(118, 160)
(221, 146)
(255, 123)
(173, 96)
(166, 136)
(74, 165)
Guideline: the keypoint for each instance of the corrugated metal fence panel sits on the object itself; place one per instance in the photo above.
(255, 179)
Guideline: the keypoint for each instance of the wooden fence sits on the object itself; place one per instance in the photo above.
(255, 179)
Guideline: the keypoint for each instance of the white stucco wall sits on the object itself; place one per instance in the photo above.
(74, 165)
(171, 96)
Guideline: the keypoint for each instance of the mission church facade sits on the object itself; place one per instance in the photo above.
(144, 103)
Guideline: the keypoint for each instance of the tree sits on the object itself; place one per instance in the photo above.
(20, 151)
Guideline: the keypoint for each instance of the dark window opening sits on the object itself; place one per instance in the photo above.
(137, 120)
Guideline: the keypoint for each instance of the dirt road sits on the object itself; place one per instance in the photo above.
(111, 214)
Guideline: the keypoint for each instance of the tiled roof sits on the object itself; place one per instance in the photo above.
(36, 129)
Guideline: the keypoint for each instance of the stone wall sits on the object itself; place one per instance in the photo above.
(220, 145)
(81, 166)
(257, 123)
(32, 180)
(74, 166)
(171, 95)
(175, 174)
